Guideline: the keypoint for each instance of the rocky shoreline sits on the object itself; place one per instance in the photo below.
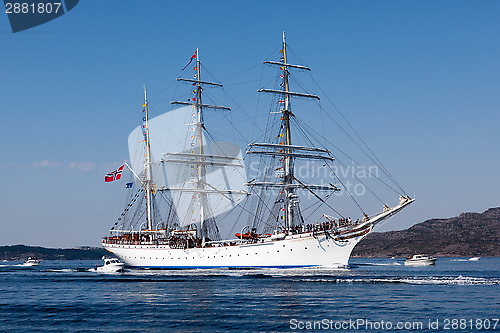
(466, 235)
(22, 252)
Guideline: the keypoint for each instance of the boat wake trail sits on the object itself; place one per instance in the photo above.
(430, 280)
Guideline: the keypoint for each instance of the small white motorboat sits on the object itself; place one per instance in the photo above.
(110, 265)
(31, 262)
(474, 259)
(420, 260)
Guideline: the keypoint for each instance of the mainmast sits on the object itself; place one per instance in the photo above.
(201, 172)
(148, 183)
(201, 158)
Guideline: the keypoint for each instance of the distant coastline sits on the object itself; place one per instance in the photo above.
(21, 252)
(466, 235)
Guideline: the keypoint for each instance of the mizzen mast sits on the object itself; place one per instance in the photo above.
(148, 183)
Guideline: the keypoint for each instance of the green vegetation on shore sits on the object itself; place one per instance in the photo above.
(21, 252)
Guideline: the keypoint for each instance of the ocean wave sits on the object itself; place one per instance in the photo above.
(429, 280)
(64, 270)
(7, 267)
(378, 264)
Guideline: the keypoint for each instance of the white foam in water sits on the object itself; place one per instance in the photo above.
(271, 272)
(449, 280)
(64, 270)
(431, 280)
(381, 264)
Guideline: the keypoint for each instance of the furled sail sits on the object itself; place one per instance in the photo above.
(176, 158)
(224, 181)
(170, 131)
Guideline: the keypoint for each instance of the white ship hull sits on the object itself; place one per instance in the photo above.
(303, 250)
(306, 249)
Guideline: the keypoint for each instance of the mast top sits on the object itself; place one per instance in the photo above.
(198, 82)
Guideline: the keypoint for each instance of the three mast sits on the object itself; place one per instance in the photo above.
(198, 190)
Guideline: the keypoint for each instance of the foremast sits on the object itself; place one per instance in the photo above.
(286, 149)
(288, 180)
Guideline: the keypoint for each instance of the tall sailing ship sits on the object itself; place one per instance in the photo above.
(185, 181)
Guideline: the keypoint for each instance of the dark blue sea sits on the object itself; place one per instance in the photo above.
(372, 295)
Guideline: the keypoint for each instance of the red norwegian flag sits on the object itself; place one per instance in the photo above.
(115, 175)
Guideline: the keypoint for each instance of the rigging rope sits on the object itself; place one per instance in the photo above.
(348, 156)
(384, 169)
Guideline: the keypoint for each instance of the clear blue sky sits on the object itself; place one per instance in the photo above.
(419, 79)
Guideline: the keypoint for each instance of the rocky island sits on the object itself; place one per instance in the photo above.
(469, 234)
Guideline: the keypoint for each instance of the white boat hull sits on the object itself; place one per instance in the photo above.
(421, 262)
(31, 263)
(113, 268)
(302, 250)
